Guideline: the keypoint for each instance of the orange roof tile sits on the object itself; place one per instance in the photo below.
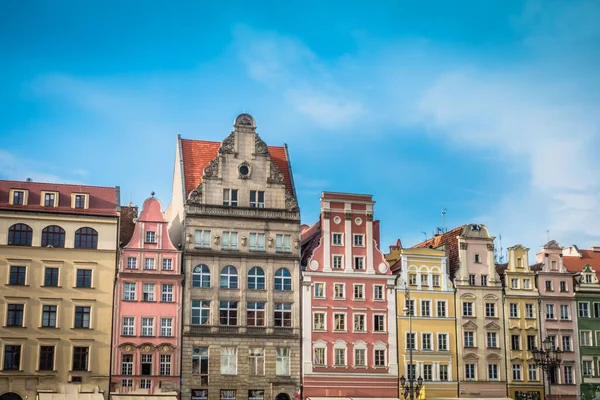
(450, 239)
(576, 264)
(197, 154)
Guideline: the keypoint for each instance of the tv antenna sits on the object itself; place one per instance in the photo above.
(442, 229)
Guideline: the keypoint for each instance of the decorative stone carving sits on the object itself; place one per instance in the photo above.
(337, 220)
(244, 240)
(326, 214)
(370, 217)
(212, 169)
(463, 246)
(244, 170)
(314, 265)
(195, 196)
(245, 120)
(490, 247)
(358, 221)
(270, 241)
(260, 147)
(290, 202)
(275, 176)
(348, 215)
(228, 144)
(382, 268)
(166, 349)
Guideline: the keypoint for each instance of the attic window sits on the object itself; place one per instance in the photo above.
(80, 201)
(519, 262)
(18, 197)
(49, 199)
(477, 259)
(554, 266)
(588, 278)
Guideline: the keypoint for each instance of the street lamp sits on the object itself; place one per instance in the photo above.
(547, 358)
(410, 389)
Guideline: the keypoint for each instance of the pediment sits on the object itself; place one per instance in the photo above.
(490, 297)
(515, 327)
(468, 296)
(320, 342)
(492, 325)
(531, 328)
(128, 346)
(470, 325)
(553, 244)
(493, 356)
(147, 347)
(470, 356)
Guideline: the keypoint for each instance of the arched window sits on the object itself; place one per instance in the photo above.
(20, 235)
(256, 278)
(283, 279)
(229, 277)
(54, 236)
(86, 238)
(201, 276)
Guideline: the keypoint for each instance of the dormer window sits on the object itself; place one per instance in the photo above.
(18, 197)
(79, 200)
(477, 259)
(49, 199)
(588, 278)
(519, 262)
(150, 237)
(554, 266)
(230, 197)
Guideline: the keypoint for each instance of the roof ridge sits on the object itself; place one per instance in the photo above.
(61, 184)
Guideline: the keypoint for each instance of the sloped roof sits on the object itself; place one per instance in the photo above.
(127, 226)
(309, 240)
(576, 264)
(450, 239)
(102, 200)
(197, 154)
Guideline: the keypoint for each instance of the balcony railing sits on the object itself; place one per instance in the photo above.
(243, 212)
(241, 330)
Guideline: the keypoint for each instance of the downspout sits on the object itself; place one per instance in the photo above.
(114, 291)
(506, 355)
(456, 341)
(540, 333)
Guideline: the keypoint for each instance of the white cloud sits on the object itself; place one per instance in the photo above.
(17, 168)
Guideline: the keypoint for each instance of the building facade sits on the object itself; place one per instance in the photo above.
(58, 255)
(522, 329)
(558, 321)
(426, 321)
(348, 304)
(148, 299)
(235, 208)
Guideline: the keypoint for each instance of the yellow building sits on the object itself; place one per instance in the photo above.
(57, 267)
(424, 287)
(522, 327)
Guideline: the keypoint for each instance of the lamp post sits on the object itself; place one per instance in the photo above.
(411, 370)
(547, 358)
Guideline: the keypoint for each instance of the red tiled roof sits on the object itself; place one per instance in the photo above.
(576, 264)
(309, 241)
(197, 154)
(102, 200)
(450, 239)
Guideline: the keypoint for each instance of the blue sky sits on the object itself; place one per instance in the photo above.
(488, 109)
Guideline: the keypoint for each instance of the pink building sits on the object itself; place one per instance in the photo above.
(147, 326)
(348, 304)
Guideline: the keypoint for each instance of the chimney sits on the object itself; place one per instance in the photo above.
(596, 249)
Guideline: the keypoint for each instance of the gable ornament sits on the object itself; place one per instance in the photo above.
(290, 202)
(195, 196)
(212, 169)
(260, 147)
(275, 175)
(228, 145)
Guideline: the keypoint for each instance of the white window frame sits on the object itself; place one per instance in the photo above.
(382, 322)
(343, 319)
(361, 291)
(148, 292)
(363, 318)
(382, 291)
(316, 326)
(334, 236)
(319, 294)
(202, 239)
(229, 241)
(256, 241)
(337, 261)
(147, 326)
(335, 293)
(166, 327)
(359, 263)
(150, 237)
(360, 242)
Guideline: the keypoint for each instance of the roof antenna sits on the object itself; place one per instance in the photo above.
(442, 229)
(424, 234)
(548, 234)
(152, 193)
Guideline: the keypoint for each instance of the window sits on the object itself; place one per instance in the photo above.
(490, 310)
(586, 338)
(230, 197)
(54, 236)
(80, 358)
(18, 198)
(411, 341)
(228, 311)
(552, 340)
(427, 372)
(515, 341)
(443, 375)
(596, 310)
(412, 279)
(516, 370)
(228, 360)
(360, 323)
(435, 280)
(360, 358)
(469, 339)
(379, 323)
(227, 394)
(201, 276)
(319, 321)
(533, 375)
(149, 264)
(84, 278)
(338, 261)
(167, 264)
(128, 326)
(283, 243)
(229, 277)
(129, 291)
(146, 364)
(527, 284)
(563, 286)
(470, 372)
(340, 357)
(131, 262)
(359, 263)
(566, 343)
(587, 278)
(50, 276)
(319, 357)
(513, 310)
(147, 326)
(549, 287)
(230, 240)
(477, 259)
(336, 239)
(550, 311)
(426, 342)
(256, 395)
(283, 279)
(282, 361)
(257, 241)
(48, 316)
(409, 307)
(283, 315)
(79, 201)
(202, 239)
(257, 199)
(166, 327)
(20, 235)
(257, 361)
(568, 374)
(127, 364)
(14, 315)
(424, 280)
(12, 357)
(588, 368)
(378, 292)
(514, 283)
(584, 310)
(339, 322)
(492, 340)
(484, 280)
(359, 292)
(150, 237)
(564, 312)
(358, 241)
(531, 342)
(82, 317)
(255, 314)
(17, 276)
(472, 280)
(467, 309)
(200, 363)
(201, 312)
(148, 292)
(441, 308)
(442, 342)
(425, 308)
(319, 290)
(46, 358)
(86, 238)
(529, 311)
(379, 358)
(339, 291)
(145, 383)
(164, 366)
(166, 295)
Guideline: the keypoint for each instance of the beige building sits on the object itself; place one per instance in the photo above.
(234, 208)
(57, 267)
